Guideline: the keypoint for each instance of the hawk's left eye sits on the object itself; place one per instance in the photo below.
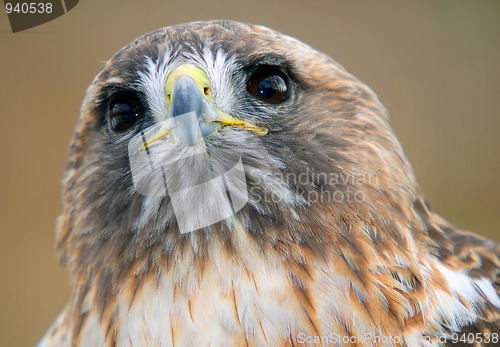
(268, 84)
(123, 113)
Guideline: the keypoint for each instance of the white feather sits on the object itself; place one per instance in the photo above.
(463, 288)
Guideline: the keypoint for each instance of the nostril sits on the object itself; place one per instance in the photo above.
(206, 91)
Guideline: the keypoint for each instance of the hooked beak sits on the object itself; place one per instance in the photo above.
(191, 113)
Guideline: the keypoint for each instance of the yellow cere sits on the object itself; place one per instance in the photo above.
(203, 82)
(198, 76)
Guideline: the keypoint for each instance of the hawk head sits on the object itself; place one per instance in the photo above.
(174, 111)
(218, 157)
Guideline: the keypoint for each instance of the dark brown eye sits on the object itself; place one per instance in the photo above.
(268, 84)
(123, 112)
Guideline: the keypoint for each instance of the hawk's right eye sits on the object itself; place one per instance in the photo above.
(124, 112)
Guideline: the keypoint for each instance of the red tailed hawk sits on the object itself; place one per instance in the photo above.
(228, 185)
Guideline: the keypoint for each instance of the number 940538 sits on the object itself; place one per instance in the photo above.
(472, 338)
(28, 7)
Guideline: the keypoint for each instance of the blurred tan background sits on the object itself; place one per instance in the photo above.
(434, 64)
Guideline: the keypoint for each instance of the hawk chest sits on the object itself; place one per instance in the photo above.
(225, 304)
(215, 309)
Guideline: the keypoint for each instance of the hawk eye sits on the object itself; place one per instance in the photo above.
(123, 112)
(268, 84)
